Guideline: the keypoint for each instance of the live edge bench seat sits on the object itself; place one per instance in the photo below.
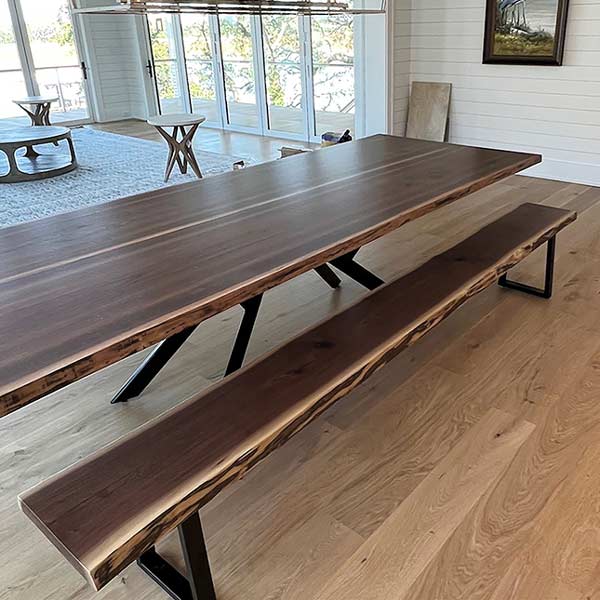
(105, 511)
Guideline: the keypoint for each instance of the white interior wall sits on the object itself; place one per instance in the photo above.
(554, 111)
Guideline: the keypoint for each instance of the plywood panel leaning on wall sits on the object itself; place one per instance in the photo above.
(428, 111)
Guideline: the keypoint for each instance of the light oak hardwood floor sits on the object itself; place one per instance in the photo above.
(466, 469)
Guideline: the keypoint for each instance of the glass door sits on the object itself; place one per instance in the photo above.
(198, 49)
(57, 68)
(12, 80)
(284, 74)
(333, 72)
(237, 56)
(167, 64)
(39, 55)
(279, 75)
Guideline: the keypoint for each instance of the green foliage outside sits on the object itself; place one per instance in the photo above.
(59, 32)
(333, 41)
(6, 37)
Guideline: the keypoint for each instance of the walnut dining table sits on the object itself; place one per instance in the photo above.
(83, 290)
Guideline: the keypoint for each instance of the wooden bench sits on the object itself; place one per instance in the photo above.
(110, 509)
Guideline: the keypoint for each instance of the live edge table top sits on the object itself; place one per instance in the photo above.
(82, 290)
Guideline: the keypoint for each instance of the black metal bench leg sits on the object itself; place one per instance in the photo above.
(347, 265)
(243, 337)
(327, 274)
(546, 292)
(149, 369)
(198, 585)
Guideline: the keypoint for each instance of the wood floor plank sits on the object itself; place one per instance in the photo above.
(388, 563)
(475, 558)
(525, 580)
(294, 566)
(567, 535)
(402, 439)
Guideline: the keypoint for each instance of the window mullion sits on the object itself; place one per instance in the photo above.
(23, 47)
(259, 74)
(307, 77)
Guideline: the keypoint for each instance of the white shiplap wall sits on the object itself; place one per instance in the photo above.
(551, 110)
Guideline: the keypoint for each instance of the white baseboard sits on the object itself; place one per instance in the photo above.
(563, 170)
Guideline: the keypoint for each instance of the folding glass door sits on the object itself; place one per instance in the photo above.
(39, 56)
(285, 74)
(279, 75)
(333, 72)
(238, 51)
(198, 45)
(171, 87)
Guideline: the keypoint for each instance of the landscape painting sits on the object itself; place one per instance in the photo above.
(526, 32)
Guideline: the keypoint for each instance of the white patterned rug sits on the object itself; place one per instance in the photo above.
(110, 166)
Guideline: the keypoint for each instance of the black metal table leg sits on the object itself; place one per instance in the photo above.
(327, 274)
(347, 265)
(148, 370)
(546, 292)
(243, 337)
(198, 585)
(159, 357)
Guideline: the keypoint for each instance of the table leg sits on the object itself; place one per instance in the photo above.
(31, 115)
(161, 355)
(30, 152)
(184, 163)
(188, 150)
(72, 150)
(347, 265)
(45, 114)
(13, 168)
(172, 158)
(181, 162)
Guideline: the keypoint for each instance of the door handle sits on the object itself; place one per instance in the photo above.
(149, 69)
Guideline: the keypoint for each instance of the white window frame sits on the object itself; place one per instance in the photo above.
(263, 127)
(28, 65)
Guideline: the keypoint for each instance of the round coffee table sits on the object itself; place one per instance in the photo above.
(180, 140)
(33, 165)
(37, 107)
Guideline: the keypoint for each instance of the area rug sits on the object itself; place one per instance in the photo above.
(110, 167)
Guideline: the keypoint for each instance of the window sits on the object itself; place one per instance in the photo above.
(12, 80)
(41, 57)
(282, 75)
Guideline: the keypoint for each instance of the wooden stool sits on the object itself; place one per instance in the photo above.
(179, 141)
(38, 108)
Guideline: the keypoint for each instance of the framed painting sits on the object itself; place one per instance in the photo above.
(525, 32)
